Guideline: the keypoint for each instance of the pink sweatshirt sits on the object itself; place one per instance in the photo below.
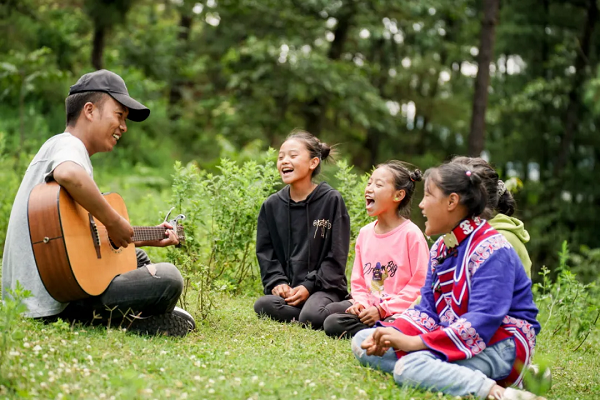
(389, 269)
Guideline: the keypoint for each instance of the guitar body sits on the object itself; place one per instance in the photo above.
(65, 244)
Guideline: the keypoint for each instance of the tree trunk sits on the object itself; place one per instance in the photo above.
(314, 110)
(373, 138)
(177, 84)
(314, 115)
(98, 46)
(572, 114)
(482, 81)
(545, 154)
(22, 113)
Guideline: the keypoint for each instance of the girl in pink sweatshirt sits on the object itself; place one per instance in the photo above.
(391, 255)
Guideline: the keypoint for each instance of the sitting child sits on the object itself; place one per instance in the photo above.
(303, 237)
(391, 255)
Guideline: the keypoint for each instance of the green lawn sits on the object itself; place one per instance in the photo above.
(232, 355)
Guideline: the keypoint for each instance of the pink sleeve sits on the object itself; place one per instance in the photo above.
(418, 259)
(359, 290)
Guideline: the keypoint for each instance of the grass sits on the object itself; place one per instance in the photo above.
(233, 355)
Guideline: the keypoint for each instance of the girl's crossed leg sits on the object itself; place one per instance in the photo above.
(475, 376)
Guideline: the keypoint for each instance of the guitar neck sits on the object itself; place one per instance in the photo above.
(144, 233)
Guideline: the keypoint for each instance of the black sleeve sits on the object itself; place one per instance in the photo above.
(271, 270)
(331, 274)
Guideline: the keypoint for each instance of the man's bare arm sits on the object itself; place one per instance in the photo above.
(84, 191)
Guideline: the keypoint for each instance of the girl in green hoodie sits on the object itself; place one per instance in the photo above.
(502, 204)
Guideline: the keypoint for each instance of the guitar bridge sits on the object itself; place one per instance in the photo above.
(95, 235)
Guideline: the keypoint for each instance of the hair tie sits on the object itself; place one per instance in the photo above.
(501, 188)
(468, 173)
(411, 178)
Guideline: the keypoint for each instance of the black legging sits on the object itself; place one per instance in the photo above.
(344, 325)
(314, 311)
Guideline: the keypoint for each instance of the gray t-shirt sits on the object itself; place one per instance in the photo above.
(18, 263)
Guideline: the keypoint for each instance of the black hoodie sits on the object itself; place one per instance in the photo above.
(304, 243)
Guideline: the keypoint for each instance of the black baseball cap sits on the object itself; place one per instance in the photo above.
(112, 84)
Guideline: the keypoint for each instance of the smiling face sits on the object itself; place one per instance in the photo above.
(434, 208)
(294, 162)
(108, 125)
(381, 195)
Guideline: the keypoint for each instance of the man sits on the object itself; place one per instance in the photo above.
(142, 300)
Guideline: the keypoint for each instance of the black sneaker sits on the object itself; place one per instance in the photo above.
(177, 323)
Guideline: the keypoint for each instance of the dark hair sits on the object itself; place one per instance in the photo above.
(404, 179)
(499, 199)
(315, 147)
(75, 102)
(453, 177)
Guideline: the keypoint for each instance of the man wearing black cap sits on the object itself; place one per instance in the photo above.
(97, 107)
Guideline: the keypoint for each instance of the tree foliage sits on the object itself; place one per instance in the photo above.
(383, 79)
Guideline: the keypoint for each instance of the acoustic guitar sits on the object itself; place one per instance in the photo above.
(72, 250)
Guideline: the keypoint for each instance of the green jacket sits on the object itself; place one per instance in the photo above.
(514, 231)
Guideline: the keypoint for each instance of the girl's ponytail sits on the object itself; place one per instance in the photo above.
(326, 150)
(506, 202)
(416, 175)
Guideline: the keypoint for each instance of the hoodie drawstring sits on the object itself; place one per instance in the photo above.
(309, 241)
(288, 256)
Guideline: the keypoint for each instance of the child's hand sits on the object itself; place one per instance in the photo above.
(370, 345)
(390, 337)
(282, 290)
(369, 316)
(355, 309)
(297, 296)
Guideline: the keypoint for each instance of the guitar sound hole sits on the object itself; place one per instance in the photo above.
(113, 246)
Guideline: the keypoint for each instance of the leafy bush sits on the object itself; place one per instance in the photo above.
(221, 211)
(11, 309)
(567, 307)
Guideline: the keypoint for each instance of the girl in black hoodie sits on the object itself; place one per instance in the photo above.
(302, 239)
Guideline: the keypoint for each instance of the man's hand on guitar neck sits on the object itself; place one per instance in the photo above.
(84, 191)
(170, 239)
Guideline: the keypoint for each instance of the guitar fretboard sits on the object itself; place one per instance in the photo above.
(142, 233)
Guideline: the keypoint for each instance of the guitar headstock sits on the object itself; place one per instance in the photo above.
(177, 227)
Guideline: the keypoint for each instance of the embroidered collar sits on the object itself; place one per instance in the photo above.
(462, 231)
